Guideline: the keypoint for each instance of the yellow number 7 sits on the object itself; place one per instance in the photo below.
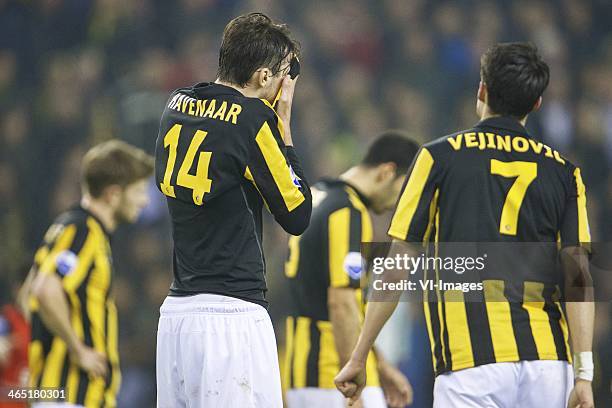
(525, 173)
(200, 183)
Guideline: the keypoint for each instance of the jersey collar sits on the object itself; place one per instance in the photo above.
(362, 197)
(503, 122)
(90, 214)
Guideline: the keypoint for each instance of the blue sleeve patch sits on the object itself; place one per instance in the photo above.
(353, 265)
(66, 262)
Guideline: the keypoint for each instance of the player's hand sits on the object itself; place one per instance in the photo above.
(351, 380)
(283, 106)
(395, 385)
(581, 396)
(90, 360)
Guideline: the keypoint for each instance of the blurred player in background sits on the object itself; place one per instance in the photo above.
(325, 272)
(74, 319)
(222, 154)
(495, 183)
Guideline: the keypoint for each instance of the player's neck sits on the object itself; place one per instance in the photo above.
(488, 113)
(246, 90)
(101, 211)
(358, 178)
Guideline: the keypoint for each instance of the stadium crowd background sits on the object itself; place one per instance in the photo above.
(77, 72)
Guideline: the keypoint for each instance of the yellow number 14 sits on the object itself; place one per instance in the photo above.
(525, 173)
(199, 183)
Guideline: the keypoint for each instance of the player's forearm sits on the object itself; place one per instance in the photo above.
(376, 316)
(344, 317)
(580, 316)
(54, 310)
(579, 298)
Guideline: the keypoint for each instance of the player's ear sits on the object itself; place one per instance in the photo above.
(112, 194)
(262, 76)
(387, 171)
(537, 105)
(482, 92)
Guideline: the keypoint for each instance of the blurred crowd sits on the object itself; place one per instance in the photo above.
(77, 72)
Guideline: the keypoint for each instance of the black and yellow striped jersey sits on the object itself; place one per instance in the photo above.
(219, 158)
(495, 184)
(76, 249)
(326, 255)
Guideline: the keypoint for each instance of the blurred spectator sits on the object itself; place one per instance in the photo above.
(76, 72)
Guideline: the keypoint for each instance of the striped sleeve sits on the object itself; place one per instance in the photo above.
(344, 237)
(413, 215)
(575, 229)
(70, 250)
(269, 170)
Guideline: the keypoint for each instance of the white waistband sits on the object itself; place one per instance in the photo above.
(208, 303)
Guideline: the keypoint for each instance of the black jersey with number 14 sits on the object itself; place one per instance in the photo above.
(220, 157)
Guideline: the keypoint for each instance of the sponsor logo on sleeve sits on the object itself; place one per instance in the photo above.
(66, 262)
(353, 265)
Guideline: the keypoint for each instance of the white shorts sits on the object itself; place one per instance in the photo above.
(310, 397)
(55, 405)
(216, 351)
(525, 384)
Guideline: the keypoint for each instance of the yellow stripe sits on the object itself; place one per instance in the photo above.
(411, 196)
(432, 342)
(96, 290)
(372, 379)
(366, 221)
(35, 362)
(40, 255)
(280, 126)
(289, 333)
(277, 165)
(329, 362)
(500, 321)
(539, 321)
(54, 364)
(339, 239)
(73, 280)
(564, 329)
(62, 243)
(438, 294)
(459, 340)
(291, 266)
(110, 396)
(584, 233)
(95, 392)
(302, 349)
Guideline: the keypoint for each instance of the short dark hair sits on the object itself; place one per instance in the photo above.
(392, 146)
(114, 163)
(252, 41)
(515, 76)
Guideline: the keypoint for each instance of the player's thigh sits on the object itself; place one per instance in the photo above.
(310, 397)
(373, 397)
(545, 384)
(230, 360)
(491, 385)
(168, 372)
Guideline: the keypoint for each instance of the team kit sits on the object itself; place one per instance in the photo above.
(225, 154)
